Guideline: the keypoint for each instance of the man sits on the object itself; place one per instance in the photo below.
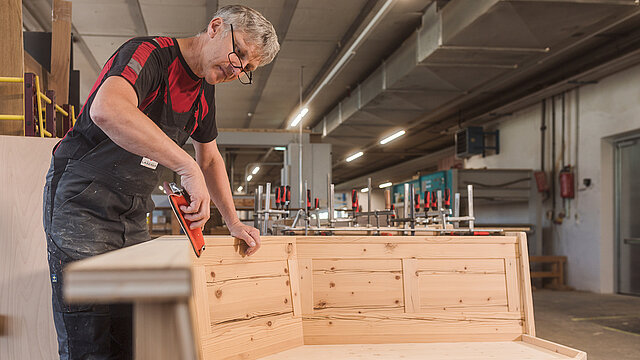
(151, 96)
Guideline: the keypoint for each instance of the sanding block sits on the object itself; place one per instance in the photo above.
(179, 197)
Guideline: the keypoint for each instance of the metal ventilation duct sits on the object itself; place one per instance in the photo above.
(465, 49)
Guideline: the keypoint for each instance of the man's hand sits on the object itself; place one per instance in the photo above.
(249, 234)
(199, 209)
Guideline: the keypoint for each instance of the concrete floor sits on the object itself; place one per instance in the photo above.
(607, 327)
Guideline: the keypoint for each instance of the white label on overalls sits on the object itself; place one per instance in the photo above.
(146, 162)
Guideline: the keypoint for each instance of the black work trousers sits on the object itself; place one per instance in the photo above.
(83, 217)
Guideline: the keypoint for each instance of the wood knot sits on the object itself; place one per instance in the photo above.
(397, 301)
(397, 277)
(286, 271)
(269, 323)
(332, 268)
(218, 293)
(213, 274)
(330, 322)
(390, 246)
(364, 250)
(321, 304)
(461, 301)
(352, 293)
(289, 248)
(332, 284)
(286, 300)
(287, 282)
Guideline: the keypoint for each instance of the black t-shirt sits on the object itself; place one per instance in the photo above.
(152, 65)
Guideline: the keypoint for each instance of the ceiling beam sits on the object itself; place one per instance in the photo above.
(135, 9)
(347, 38)
(262, 76)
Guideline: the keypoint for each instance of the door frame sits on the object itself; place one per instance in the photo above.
(616, 206)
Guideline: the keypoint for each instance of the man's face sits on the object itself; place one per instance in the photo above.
(216, 65)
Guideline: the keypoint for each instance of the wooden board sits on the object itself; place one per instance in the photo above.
(25, 289)
(461, 297)
(11, 64)
(511, 350)
(60, 50)
(411, 288)
(250, 307)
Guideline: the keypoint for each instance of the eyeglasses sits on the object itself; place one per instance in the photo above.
(234, 59)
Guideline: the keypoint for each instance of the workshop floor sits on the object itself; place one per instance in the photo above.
(607, 327)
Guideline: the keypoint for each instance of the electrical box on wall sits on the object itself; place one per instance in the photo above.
(471, 141)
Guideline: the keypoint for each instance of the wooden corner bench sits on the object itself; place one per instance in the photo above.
(340, 297)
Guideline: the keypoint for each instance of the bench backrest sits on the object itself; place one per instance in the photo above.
(360, 289)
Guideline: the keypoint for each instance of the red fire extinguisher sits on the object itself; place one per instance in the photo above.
(566, 183)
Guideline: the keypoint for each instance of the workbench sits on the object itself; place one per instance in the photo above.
(339, 297)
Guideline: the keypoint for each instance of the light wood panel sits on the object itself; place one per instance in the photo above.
(248, 304)
(253, 338)
(251, 301)
(60, 50)
(357, 284)
(32, 66)
(249, 298)
(496, 350)
(525, 283)
(25, 289)
(388, 250)
(411, 286)
(11, 64)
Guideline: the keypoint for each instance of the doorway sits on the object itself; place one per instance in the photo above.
(627, 195)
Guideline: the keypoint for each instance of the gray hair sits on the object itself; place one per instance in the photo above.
(257, 29)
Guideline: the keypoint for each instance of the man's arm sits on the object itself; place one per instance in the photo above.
(115, 111)
(215, 174)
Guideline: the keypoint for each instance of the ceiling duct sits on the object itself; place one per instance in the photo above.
(463, 51)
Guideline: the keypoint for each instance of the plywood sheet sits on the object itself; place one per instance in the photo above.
(500, 350)
(25, 289)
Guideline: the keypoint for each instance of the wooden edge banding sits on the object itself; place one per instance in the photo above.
(294, 285)
(306, 285)
(511, 278)
(411, 287)
(527, 297)
(184, 322)
(202, 313)
(551, 346)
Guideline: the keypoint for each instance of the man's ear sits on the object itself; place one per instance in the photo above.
(215, 27)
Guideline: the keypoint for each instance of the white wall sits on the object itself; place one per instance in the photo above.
(595, 115)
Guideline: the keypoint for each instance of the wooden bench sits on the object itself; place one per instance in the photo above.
(556, 274)
(340, 297)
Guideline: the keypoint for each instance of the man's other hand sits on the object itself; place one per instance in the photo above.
(249, 234)
(199, 209)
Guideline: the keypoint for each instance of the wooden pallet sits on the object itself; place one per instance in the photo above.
(312, 297)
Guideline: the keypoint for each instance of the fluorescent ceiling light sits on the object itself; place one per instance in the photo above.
(240, 188)
(279, 148)
(385, 185)
(255, 170)
(351, 50)
(249, 177)
(392, 137)
(364, 190)
(355, 156)
(299, 117)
